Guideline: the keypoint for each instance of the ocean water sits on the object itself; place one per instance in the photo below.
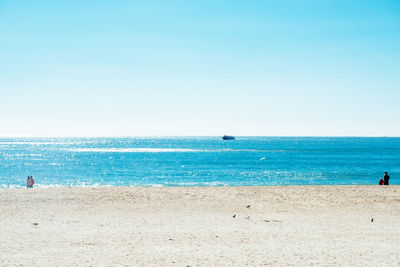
(198, 161)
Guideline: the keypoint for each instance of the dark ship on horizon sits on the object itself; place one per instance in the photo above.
(228, 137)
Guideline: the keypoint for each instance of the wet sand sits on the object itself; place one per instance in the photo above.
(206, 226)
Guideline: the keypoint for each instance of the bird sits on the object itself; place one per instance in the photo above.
(372, 219)
(248, 206)
(234, 215)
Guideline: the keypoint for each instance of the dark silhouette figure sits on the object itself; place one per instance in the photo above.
(386, 178)
(381, 181)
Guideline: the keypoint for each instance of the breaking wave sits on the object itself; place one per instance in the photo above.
(163, 150)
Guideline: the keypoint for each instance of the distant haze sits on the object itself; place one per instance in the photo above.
(134, 68)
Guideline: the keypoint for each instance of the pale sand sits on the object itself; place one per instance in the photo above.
(296, 225)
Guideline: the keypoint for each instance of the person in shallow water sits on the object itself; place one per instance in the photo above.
(381, 181)
(30, 182)
(386, 178)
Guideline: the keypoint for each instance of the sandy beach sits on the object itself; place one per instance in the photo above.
(203, 226)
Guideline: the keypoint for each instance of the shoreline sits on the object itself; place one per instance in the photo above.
(201, 226)
(195, 186)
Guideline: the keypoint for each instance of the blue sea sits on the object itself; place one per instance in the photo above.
(198, 161)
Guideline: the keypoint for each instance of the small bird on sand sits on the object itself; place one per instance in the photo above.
(234, 215)
(248, 206)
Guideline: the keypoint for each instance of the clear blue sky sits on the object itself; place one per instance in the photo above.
(305, 67)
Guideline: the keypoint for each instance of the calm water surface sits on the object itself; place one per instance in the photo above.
(198, 161)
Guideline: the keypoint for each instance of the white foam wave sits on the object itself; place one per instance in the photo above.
(12, 186)
(163, 150)
(135, 150)
(29, 143)
(196, 184)
(88, 184)
(81, 184)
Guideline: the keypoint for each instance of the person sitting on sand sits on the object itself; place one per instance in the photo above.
(381, 181)
(386, 179)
